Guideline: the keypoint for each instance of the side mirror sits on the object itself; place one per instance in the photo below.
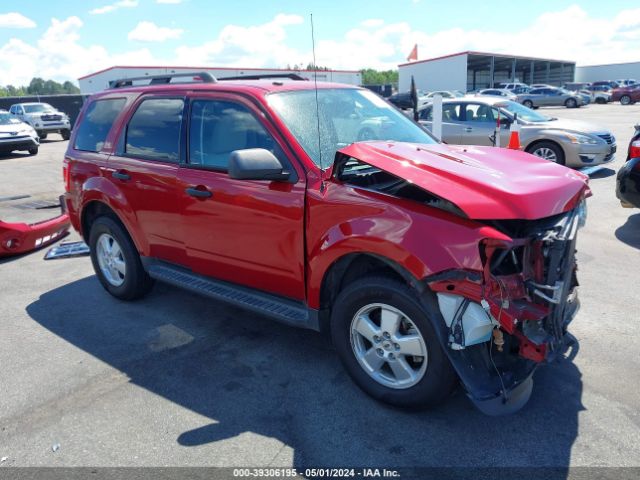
(256, 164)
(505, 121)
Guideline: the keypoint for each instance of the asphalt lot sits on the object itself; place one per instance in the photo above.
(175, 379)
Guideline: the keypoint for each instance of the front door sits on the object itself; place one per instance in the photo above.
(249, 232)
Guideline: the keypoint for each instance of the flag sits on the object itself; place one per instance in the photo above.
(413, 56)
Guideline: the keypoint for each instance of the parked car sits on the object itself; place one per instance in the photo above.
(515, 87)
(44, 118)
(628, 179)
(446, 94)
(425, 263)
(17, 135)
(499, 92)
(541, 85)
(626, 82)
(403, 100)
(607, 83)
(596, 96)
(626, 95)
(472, 120)
(572, 86)
(550, 96)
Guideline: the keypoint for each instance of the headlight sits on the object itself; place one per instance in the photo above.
(582, 213)
(581, 139)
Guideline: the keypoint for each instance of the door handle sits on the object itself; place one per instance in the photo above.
(194, 192)
(468, 129)
(121, 175)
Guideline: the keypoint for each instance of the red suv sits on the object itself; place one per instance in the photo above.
(626, 95)
(326, 208)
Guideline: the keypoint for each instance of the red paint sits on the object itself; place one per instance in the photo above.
(17, 238)
(284, 237)
(484, 182)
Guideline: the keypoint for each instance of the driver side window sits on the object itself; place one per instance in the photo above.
(217, 128)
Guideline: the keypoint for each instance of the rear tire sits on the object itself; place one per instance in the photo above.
(116, 260)
(376, 362)
(625, 100)
(571, 103)
(528, 103)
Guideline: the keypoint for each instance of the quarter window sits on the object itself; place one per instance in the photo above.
(96, 123)
(154, 130)
(217, 128)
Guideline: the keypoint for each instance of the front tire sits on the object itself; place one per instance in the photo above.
(548, 151)
(42, 135)
(571, 103)
(116, 260)
(66, 134)
(528, 103)
(388, 345)
(33, 151)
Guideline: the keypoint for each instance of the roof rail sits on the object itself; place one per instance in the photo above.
(290, 76)
(202, 77)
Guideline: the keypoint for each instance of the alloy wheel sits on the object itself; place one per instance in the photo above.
(388, 346)
(546, 153)
(111, 260)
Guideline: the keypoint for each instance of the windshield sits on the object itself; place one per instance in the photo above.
(346, 115)
(38, 107)
(523, 112)
(8, 119)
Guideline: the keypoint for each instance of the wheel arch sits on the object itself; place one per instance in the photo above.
(351, 267)
(96, 208)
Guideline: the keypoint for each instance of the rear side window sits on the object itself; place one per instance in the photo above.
(154, 130)
(217, 128)
(96, 123)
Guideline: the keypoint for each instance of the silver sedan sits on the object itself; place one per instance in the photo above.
(550, 97)
(472, 121)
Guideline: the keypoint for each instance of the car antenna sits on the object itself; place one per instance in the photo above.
(315, 84)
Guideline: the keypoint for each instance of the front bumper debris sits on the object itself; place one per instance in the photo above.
(18, 238)
(526, 296)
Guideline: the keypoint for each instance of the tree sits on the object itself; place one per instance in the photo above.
(371, 76)
(39, 86)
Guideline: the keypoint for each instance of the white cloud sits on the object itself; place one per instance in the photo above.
(255, 46)
(169, 1)
(59, 55)
(150, 32)
(569, 34)
(114, 6)
(15, 20)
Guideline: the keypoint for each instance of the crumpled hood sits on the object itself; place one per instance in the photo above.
(484, 182)
(576, 126)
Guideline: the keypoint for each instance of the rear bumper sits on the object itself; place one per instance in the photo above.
(17, 238)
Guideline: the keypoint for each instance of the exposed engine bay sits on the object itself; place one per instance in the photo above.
(501, 323)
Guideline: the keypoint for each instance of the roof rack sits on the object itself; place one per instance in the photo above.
(202, 77)
(290, 76)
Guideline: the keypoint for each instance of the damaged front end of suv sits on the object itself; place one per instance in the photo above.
(501, 320)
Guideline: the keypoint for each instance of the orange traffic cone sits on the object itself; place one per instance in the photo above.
(514, 139)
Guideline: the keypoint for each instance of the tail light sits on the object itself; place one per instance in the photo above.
(66, 175)
(634, 149)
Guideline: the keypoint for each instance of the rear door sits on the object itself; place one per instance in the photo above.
(452, 125)
(249, 232)
(144, 168)
(479, 123)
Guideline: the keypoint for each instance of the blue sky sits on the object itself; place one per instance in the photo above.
(68, 39)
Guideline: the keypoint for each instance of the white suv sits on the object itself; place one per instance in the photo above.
(44, 118)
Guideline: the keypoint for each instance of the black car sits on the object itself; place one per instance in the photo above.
(628, 181)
